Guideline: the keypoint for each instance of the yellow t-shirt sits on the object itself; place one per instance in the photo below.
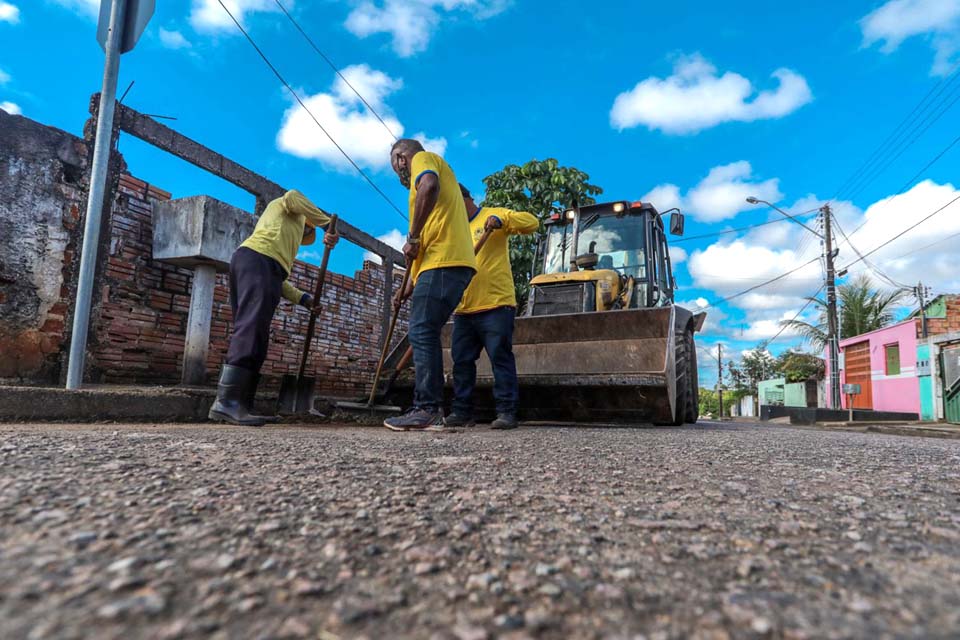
(445, 237)
(279, 232)
(492, 286)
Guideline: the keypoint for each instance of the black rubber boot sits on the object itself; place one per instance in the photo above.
(251, 400)
(233, 393)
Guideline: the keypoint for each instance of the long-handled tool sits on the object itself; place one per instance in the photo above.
(296, 392)
(407, 357)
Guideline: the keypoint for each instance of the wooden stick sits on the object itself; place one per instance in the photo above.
(318, 291)
(386, 342)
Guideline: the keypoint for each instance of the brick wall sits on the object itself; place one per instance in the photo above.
(140, 324)
(949, 324)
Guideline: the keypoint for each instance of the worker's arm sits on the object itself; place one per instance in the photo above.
(296, 296)
(426, 170)
(296, 203)
(517, 222)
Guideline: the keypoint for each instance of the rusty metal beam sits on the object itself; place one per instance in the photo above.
(163, 137)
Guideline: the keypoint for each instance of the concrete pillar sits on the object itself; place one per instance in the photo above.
(198, 326)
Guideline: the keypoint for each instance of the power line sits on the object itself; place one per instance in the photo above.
(784, 325)
(737, 230)
(908, 183)
(897, 131)
(335, 69)
(926, 246)
(876, 270)
(762, 284)
(902, 233)
(310, 113)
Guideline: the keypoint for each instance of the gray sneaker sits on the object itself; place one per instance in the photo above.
(414, 420)
(458, 420)
(505, 421)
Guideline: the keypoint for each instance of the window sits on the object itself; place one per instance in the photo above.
(893, 359)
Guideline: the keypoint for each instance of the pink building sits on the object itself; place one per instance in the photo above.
(884, 364)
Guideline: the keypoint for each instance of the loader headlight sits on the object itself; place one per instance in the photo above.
(618, 207)
(570, 214)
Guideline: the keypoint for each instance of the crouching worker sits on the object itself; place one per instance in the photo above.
(258, 278)
(484, 319)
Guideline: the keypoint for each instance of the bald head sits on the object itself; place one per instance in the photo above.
(401, 158)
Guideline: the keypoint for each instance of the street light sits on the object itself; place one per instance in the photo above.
(833, 333)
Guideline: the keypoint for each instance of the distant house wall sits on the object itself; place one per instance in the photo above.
(891, 391)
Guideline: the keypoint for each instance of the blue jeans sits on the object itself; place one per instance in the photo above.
(435, 296)
(491, 331)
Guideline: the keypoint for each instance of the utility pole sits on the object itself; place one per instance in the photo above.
(923, 310)
(720, 377)
(832, 325)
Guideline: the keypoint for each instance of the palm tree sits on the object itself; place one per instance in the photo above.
(862, 309)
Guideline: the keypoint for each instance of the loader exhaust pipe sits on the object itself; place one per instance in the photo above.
(576, 236)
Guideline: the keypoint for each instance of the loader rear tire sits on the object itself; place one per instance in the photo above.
(685, 359)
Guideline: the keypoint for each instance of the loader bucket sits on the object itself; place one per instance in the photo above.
(614, 366)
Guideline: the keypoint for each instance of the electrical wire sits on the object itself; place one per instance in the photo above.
(737, 230)
(762, 284)
(874, 268)
(897, 131)
(902, 233)
(334, 67)
(310, 113)
(784, 325)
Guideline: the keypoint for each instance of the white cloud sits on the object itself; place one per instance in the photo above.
(395, 238)
(898, 20)
(411, 23)
(678, 255)
(436, 145)
(695, 97)
(11, 108)
(9, 13)
(350, 123)
(208, 15)
(719, 196)
(4, 77)
(173, 39)
(88, 7)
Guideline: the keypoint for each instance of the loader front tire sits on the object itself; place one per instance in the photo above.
(686, 371)
(693, 407)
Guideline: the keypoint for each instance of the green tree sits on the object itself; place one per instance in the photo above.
(861, 309)
(541, 188)
(754, 366)
(797, 366)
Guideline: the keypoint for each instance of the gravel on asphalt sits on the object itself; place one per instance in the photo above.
(708, 531)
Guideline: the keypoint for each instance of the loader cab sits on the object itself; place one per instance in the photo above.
(622, 261)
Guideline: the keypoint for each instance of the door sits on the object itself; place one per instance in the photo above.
(856, 359)
(950, 368)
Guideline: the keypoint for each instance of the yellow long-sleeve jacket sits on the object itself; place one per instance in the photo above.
(279, 233)
(492, 285)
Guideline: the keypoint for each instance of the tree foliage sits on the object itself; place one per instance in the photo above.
(797, 366)
(754, 366)
(861, 309)
(541, 188)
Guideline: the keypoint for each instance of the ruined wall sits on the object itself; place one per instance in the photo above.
(138, 322)
(950, 320)
(43, 174)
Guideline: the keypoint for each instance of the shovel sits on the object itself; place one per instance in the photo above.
(296, 391)
(407, 357)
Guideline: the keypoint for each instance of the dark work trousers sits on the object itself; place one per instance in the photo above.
(255, 285)
(490, 331)
(435, 296)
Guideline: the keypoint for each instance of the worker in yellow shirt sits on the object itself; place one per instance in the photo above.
(258, 278)
(484, 319)
(441, 262)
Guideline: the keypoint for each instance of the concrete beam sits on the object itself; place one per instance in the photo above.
(163, 137)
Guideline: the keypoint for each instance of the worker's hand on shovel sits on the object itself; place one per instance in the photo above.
(308, 303)
(330, 239)
(400, 297)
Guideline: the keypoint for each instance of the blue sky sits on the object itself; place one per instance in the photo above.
(694, 103)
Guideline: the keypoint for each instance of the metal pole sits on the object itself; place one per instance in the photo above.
(923, 310)
(720, 377)
(98, 179)
(832, 328)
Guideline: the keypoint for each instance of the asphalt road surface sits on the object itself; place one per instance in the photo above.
(733, 531)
